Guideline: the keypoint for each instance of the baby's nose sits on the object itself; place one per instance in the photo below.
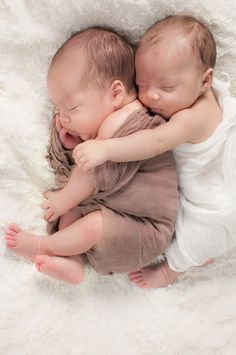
(152, 95)
(155, 97)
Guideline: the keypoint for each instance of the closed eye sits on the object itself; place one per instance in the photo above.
(168, 88)
(73, 108)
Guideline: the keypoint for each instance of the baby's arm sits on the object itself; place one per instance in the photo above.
(191, 125)
(183, 127)
(145, 144)
(91, 153)
(80, 186)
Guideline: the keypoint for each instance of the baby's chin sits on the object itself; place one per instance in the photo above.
(159, 112)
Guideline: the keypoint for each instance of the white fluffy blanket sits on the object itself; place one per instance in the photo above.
(104, 315)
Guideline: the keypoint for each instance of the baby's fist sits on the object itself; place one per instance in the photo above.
(90, 154)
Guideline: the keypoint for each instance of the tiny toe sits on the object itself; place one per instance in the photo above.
(135, 273)
(137, 276)
(140, 283)
(138, 280)
(11, 243)
(10, 232)
(10, 237)
(134, 276)
(14, 227)
(143, 285)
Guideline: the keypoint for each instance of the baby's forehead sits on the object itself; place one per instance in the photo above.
(171, 51)
(170, 42)
(71, 64)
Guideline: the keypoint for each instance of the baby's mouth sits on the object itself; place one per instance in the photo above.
(82, 137)
(155, 109)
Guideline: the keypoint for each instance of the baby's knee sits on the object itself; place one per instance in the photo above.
(94, 226)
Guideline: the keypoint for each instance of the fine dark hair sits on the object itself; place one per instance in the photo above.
(109, 56)
(196, 33)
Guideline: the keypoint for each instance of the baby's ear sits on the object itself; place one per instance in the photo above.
(117, 92)
(207, 79)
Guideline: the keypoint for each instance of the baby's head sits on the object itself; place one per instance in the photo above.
(174, 64)
(90, 76)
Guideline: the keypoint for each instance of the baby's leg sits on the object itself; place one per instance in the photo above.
(65, 268)
(75, 239)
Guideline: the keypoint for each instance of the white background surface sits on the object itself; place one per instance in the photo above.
(104, 315)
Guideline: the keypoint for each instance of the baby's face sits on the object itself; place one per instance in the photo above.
(82, 108)
(168, 80)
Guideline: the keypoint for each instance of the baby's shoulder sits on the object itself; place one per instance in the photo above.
(111, 124)
(116, 119)
(184, 116)
(193, 122)
(206, 105)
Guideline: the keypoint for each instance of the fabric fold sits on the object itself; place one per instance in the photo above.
(138, 201)
(206, 223)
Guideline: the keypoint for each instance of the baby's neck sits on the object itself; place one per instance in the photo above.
(117, 118)
(130, 104)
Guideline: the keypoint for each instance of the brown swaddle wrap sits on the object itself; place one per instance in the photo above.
(138, 200)
(59, 158)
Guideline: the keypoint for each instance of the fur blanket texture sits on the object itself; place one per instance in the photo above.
(105, 315)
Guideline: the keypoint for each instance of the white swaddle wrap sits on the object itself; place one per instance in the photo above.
(206, 223)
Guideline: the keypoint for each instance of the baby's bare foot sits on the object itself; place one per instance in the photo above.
(209, 262)
(69, 269)
(157, 276)
(53, 205)
(23, 243)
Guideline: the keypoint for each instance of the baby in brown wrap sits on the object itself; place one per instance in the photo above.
(118, 216)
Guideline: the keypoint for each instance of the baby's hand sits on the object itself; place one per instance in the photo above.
(52, 205)
(89, 154)
(68, 140)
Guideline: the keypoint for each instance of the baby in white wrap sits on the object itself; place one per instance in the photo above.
(174, 75)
